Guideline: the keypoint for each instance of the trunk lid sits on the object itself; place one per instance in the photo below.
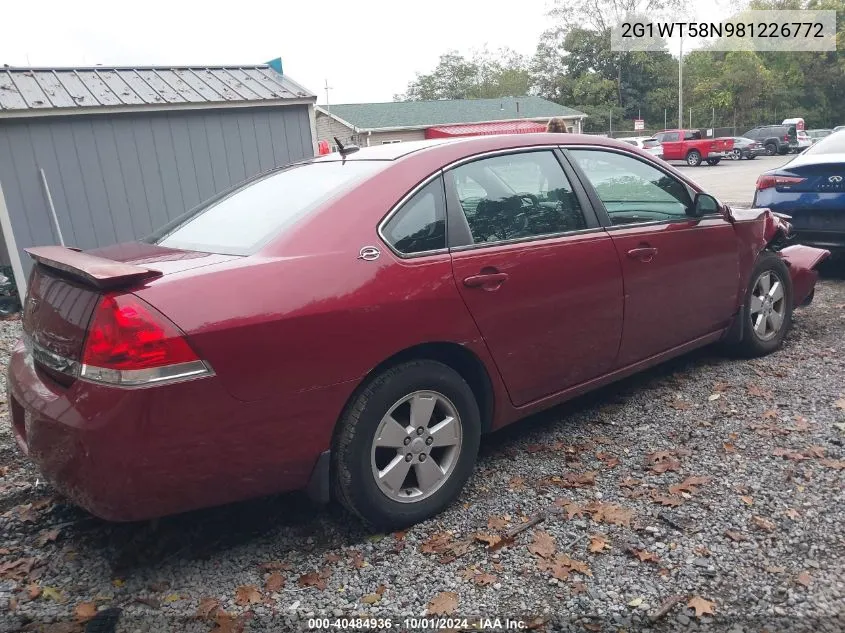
(66, 285)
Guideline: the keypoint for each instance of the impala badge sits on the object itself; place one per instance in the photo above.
(369, 253)
(835, 179)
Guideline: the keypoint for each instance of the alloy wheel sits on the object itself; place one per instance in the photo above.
(736, 154)
(768, 305)
(416, 446)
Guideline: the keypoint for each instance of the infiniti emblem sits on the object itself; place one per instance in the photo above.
(835, 179)
(369, 253)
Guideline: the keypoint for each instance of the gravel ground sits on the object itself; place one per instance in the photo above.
(715, 481)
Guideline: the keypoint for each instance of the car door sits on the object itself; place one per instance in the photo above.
(539, 275)
(680, 272)
(672, 146)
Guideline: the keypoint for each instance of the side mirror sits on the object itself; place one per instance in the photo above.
(705, 204)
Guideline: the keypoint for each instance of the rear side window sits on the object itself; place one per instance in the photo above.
(420, 224)
(671, 137)
(240, 221)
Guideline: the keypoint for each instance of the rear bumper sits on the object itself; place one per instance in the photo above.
(715, 154)
(802, 261)
(133, 454)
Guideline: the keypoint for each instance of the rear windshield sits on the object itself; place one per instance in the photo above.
(241, 220)
(830, 144)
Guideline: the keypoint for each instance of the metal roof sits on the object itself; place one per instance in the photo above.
(43, 91)
(420, 114)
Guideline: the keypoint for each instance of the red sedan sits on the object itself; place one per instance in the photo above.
(353, 324)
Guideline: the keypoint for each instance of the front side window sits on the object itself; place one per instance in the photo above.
(671, 137)
(420, 224)
(241, 220)
(632, 190)
(517, 196)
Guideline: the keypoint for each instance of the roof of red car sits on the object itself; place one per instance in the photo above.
(471, 145)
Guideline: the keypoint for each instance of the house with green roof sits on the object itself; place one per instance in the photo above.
(377, 123)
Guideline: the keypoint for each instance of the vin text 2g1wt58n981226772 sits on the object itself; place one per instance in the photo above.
(502, 275)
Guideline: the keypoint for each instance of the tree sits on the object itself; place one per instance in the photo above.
(488, 75)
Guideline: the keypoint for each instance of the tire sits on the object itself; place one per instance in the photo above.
(694, 158)
(754, 344)
(771, 149)
(356, 461)
(751, 156)
(713, 161)
(736, 154)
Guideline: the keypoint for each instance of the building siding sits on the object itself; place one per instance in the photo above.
(328, 128)
(377, 138)
(117, 178)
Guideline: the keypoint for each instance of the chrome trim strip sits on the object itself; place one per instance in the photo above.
(530, 238)
(140, 378)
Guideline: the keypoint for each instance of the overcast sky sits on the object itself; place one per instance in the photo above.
(367, 49)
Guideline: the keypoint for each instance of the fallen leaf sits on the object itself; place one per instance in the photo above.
(573, 480)
(792, 514)
(444, 603)
(84, 611)
(172, 597)
(747, 500)
(635, 602)
(572, 509)
(516, 483)
(315, 579)
(754, 390)
(594, 627)
(496, 523)
(276, 566)
(802, 425)
(729, 448)
(680, 405)
(151, 602)
(484, 579)
(543, 544)
(598, 543)
(763, 523)
(814, 451)
(734, 536)
(839, 404)
(490, 539)
(332, 558)
(53, 594)
(701, 606)
(207, 607)
(274, 582)
(33, 591)
(770, 414)
(788, 454)
(689, 485)
(833, 463)
(48, 536)
(664, 500)
(714, 396)
(371, 598)
(772, 569)
(646, 557)
(535, 448)
(630, 482)
(572, 564)
(357, 560)
(610, 513)
(118, 582)
(225, 623)
(247, 594)
(721, 387)
(804, 579)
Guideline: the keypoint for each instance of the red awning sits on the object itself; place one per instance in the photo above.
(482, 129)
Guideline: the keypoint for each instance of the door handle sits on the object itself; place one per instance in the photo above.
(485, 279)
(643, 253)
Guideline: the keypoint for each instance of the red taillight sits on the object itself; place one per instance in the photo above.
(766, 181)
(131, 343)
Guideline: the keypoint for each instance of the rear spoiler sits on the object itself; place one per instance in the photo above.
(100, 272)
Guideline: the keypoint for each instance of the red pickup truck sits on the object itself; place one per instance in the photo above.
(692, 147)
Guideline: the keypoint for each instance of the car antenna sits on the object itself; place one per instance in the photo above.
(344, 151)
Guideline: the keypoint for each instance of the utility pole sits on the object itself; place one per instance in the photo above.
(327, 87)
(665, 118)
(681, 84)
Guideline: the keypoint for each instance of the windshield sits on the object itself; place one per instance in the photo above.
(239, 221)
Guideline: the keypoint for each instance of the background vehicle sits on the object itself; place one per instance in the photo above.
(745, 148)
(797, 122)
(811, 190)
(839, 128)
(816, 135)
(692, 147)
(372, 342)
(648, 143)
(777, 139)
(804, 141)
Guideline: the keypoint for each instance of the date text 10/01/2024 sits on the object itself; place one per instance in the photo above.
(419, 624)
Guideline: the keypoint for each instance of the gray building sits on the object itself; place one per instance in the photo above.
(94, 156)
